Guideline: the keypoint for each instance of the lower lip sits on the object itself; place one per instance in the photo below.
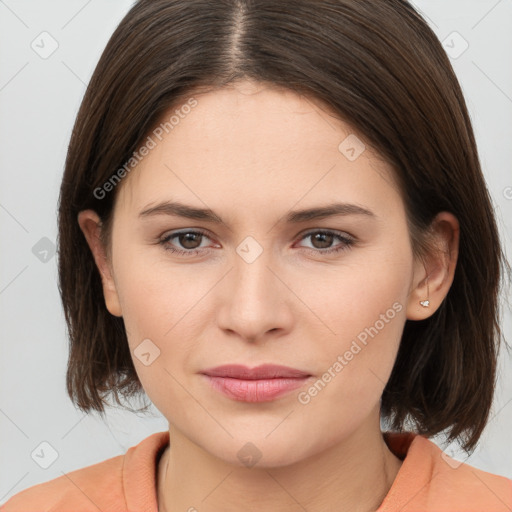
(260, 390)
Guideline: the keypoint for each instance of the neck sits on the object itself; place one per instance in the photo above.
(354, 475)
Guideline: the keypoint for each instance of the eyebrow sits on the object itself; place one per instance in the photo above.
(177, 209)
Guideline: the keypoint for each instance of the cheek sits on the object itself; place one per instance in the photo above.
(357, 362)
(173, 303)
(365, 309)
(157, 303)
(351, 296)
(156, 296)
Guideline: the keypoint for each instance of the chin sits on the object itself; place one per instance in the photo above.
(262, 452)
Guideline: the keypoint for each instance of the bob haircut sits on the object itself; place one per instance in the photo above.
(375, 65)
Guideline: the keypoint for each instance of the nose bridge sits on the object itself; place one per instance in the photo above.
(253, 281)
(254, 302)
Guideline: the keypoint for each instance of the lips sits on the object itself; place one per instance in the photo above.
(261, 384)
(265, 371)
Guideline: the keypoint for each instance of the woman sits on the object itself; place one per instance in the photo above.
(273, 221)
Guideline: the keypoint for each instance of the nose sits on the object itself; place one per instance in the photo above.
(255, 301)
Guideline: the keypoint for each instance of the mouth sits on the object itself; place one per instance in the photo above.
(260, 384)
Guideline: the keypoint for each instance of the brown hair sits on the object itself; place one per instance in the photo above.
(376, 65)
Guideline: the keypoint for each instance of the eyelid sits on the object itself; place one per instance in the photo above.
(347, 240)
(300, 236)
(326, 230)
(345, 237)
(174, 234)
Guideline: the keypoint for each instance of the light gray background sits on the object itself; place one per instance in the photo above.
(39, 98)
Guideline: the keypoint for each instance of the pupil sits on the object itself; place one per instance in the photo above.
(321, 237)
(189, 237)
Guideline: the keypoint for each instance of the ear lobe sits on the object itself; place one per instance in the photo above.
(433, 276)
(90, 224)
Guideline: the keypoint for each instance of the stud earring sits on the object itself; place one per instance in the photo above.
(426, 303)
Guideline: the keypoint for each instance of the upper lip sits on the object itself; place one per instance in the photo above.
(264, 371)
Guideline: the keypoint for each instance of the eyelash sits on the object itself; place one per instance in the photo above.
(347, 242)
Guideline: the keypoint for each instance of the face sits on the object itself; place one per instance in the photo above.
(327, 296)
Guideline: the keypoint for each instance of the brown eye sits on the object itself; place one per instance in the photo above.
(189, 241)
(322, 241)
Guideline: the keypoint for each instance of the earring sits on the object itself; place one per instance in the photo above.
(426, 303)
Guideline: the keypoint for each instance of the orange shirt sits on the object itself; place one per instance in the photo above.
(428, 480)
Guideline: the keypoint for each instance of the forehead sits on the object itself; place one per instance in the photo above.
(253, 140)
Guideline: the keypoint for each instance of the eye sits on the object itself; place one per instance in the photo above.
(189, 240)
(325, 238)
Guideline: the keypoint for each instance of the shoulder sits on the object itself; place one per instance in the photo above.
(91, 488)
(429, 480)
(124, 482)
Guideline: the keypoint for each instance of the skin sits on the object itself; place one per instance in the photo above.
(252, 153)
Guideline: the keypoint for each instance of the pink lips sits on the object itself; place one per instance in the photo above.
(260, 384)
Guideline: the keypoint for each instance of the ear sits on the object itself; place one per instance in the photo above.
(90, 224)
(434, 274)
